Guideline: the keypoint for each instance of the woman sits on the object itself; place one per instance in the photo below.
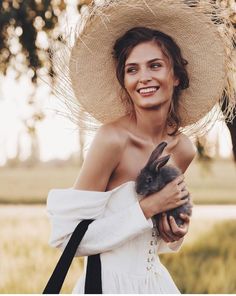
(124, 145)
(152, 73)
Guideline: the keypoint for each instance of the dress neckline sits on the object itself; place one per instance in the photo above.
(121, 185)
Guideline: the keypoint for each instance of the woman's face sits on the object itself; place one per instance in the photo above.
(149, 77)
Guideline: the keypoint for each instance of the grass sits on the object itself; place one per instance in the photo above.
(212, 183)
(31, 185)
(27, 260)
(205, 264)
(208, 265)
(208, 184)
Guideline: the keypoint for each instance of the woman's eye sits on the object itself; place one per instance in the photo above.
(155, 66)
(131, 70)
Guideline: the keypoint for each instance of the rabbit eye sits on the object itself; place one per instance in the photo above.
(149, 179)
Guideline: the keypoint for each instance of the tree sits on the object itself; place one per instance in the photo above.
(231, 125)
(232, 128)
(22, 25)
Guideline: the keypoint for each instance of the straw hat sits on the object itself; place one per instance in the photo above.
(202, 31)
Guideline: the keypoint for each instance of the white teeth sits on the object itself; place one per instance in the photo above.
(147, 90)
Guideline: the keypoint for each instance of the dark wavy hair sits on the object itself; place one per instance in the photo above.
(123, 47)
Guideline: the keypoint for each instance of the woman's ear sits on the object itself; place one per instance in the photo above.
(176, 81)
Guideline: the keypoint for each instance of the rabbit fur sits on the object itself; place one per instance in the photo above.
(154, 176)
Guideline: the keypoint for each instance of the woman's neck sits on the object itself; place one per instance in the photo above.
(151, 124)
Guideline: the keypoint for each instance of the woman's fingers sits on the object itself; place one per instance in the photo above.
(168, 229)
(177, 195)
(161, 230)
(182, 190)
(163, 233)
(185, 193)
(179, 179)
(181, 186)
(185, 217)
(179, 231)
(181, 202)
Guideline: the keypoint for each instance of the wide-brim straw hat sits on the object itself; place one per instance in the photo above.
(201, 29)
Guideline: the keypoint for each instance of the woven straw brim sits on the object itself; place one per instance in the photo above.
(85, 73)
(92, 68)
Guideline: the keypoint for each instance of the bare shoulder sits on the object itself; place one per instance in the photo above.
(102, 158)
(110, 134)
(185, 152)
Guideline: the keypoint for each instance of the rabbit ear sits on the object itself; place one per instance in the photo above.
(156, 153)
(161, 162)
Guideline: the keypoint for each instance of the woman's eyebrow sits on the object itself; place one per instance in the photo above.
(148, 62)
(156, 59)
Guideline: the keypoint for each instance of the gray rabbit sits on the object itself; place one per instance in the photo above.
(155, 175)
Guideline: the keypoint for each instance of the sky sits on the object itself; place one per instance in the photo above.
(58, 137)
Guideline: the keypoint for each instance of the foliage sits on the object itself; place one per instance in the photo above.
(26, 30)
(21, 23)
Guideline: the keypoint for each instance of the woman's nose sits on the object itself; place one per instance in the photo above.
(145, 76)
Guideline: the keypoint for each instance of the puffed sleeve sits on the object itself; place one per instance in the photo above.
(169, 247)
(67, 207)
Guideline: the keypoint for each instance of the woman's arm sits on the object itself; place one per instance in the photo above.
(185, 153)
(101, 160)
(67, 207)
(67, 210)
(171, 234)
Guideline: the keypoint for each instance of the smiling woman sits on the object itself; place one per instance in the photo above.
(157, 99)
(147, 77)
(161, 62)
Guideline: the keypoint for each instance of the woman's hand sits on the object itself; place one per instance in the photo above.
(170, 231)
(168, 198)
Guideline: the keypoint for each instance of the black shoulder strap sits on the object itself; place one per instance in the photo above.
(93, 280)
(58, 276)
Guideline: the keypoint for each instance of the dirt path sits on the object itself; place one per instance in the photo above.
(203, 219)
(218, 212)
(212, 212)
(215, 212)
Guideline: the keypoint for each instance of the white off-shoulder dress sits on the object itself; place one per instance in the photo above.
(127, 241)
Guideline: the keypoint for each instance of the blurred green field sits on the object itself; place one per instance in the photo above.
(31, 185)
(213, 183)
(209, 184)
(26, 259)
(205, 264)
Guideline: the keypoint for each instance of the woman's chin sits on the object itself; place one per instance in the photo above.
(151, 103)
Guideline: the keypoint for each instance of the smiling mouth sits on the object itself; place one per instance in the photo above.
(148, 90)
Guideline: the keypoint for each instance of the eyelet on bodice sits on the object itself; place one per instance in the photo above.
(152, 259)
